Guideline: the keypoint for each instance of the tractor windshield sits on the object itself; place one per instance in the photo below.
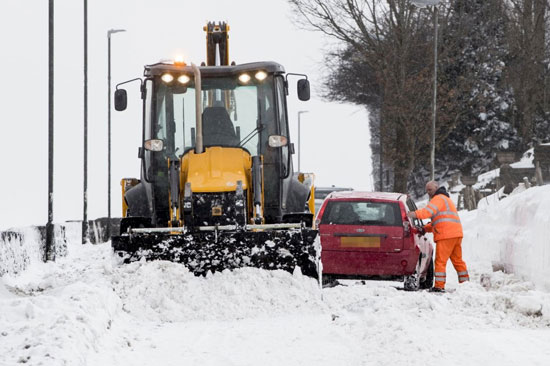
(235, 114)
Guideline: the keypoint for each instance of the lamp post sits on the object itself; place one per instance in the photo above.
(49, 226)
(85, 237)
(109, 32)
(424, 4)
(299, 114)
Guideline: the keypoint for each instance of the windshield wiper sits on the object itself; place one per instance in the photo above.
(252, 133)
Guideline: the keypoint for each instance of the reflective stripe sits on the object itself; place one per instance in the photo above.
(440, 279)
(430, 210)
(465, 273)
(440, 274)
(463, 279)
(434, 207)
(445, 220)
(445, 198)
(450, 213)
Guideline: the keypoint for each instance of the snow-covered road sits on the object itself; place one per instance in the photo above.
(86, 309)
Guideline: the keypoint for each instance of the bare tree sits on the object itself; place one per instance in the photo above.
(392, 39)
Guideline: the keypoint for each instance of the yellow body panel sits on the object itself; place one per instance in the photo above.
(303, 177)
(360, 242)
(216, 170)
(126, 184)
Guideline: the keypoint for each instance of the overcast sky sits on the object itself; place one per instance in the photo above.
(334, 137)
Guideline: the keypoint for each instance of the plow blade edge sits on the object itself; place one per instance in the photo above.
(205, 252)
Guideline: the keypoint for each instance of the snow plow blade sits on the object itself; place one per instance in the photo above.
(215, 251)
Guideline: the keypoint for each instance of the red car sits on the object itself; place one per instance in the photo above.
(367, 235)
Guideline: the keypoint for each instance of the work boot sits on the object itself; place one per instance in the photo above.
(437, 289)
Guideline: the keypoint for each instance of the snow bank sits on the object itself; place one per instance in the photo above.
(19, 248)
(514, 231)
(60, 313)
(166, 291)
(56, 313)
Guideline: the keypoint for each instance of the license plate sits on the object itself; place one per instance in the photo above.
(360, 242)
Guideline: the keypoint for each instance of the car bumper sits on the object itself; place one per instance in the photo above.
(349, 263)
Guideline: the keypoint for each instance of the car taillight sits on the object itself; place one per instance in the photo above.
(406, 227)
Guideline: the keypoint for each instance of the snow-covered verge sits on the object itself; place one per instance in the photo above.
(514, 232)
(21, 247)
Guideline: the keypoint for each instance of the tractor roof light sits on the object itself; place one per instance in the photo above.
(183, 79)
(167, 78)
(260, 75)
(244, 78)
(178, 61)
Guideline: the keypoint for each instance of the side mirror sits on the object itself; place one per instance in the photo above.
(121, 100)
(303, 89)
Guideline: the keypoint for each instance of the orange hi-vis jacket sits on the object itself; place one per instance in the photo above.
(445, 221)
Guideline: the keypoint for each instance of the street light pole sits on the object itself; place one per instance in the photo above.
(109, 32)
(423, 4)
(85, 237)
(434, 114)
(50, 252)
(299, 114)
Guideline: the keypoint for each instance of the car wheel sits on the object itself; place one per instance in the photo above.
(428, 282)
(329, 281)
(412, 282)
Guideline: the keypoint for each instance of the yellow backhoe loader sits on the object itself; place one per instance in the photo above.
(217, 189)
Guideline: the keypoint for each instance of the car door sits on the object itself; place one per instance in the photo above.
(420, 240)
(362, 226)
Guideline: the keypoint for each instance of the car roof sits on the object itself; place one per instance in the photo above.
(333, 189)
(389, 196)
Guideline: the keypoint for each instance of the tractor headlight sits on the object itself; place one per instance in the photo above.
(167, 78)
(244, 78)
(183, 79)
(277, 141)
(154, 145)
(260, 75)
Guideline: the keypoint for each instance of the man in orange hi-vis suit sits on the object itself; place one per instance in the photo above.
(447, 231)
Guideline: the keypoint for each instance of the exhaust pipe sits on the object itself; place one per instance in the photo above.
(199, 147)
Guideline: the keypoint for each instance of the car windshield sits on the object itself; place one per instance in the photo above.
(234, 114)
(362, 213)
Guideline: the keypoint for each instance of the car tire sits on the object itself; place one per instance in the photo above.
(428, 282)
(412, 282)
(328, 281)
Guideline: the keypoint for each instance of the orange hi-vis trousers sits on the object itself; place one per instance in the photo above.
(445, 249)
